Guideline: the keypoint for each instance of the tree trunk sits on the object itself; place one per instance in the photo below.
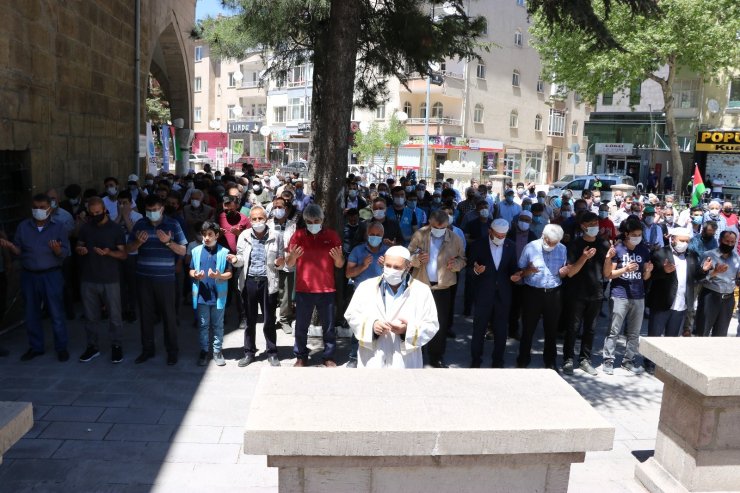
(334, 62)
(677, 168)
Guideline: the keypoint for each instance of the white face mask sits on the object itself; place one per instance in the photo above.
(195, 203)
(399, 200)
(313, 228)
(392, 276)
(497, 241)
(635, 240)
(40, 214)
(681, 246)
(523, 226)
(451, 218)
(438, 232)
(484, 213)
(260, 227)
(112, 190)
(547, 247)
(278, 213)
(592, 231)
(379, 213)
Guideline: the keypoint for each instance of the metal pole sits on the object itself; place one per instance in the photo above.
(137, 83)
(425, 157)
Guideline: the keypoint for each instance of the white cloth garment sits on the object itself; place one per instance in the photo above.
(415, 305)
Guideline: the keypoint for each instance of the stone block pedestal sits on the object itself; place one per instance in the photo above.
(421, 430)
(16, 419)
(697, 447)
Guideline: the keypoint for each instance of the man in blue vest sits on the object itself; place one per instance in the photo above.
(409, 220)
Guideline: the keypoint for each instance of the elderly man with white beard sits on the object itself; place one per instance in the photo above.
(392, 315)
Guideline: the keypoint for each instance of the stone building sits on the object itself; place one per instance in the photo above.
(68, 93)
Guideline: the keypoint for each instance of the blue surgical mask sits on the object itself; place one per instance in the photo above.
(154, 216)
(374, 241)
(603, 214)
(509, 199)
(696, 220)
(538, 219)
(527, 207)
(313, 228)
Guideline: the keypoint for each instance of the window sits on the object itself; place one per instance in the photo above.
(232, 80)
(232, 112)
(521, 3)
(515, 78)
(686, 93)
(513, 119)
(478, 113)
(485, 26)
(532, 166)
(577, 185)
(197, 84)
(196, 114)
(512, 164)
(734, 99)
(296, 109)
(607, 98)
(198, 53)
(556, 126)
(297, 76)
(437, 110)
(574, 128)
(279, 113)
(538, 123)
(407, 109)
(380, 112)
(577, 98)
(540, 86)
(518, 38)
(261, 110)
(423, 110)
(203, 146)
(443, 67)
(480, 71)
(635, 94)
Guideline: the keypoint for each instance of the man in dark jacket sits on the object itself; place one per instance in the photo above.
(676, 271)
(521, 234)
(494, 261)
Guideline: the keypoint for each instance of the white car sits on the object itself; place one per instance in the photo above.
(198, 158)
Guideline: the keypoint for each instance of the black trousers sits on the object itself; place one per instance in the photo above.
(128, 285)
(515, 312)
(545, 304)
(256, 294)
(579, 311)
(468, 292)
(493, 311)
(436, 347)
(157, 297)
(714, 313)
(234, 295)
(453, 296)
(286, 288)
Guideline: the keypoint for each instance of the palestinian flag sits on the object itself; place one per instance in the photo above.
(698, 189)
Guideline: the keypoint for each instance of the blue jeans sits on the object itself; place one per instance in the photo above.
(46, 288)
(211, 317)
(304, 305)
(666, 323)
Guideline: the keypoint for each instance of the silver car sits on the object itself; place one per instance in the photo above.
(586, 182)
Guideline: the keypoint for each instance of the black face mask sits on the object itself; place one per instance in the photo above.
(233, 215)
(728, 211)
(725, 248)
(707, 237)
(97, 218)
(169, 210)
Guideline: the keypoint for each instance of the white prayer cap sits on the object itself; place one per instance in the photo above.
(133, 177)
(500, 225)
(526, 213)
(398, 251)
(680, 232)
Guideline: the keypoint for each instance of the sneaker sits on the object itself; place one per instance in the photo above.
(203, 358)
(586, 366)
(287, 328)
(247, 360)
(273, 359)
(568, 367)
(171, 359)
(116, 354)
(352, 363)
(650, 369)
(90, 353)
(30, 354)
(630, 367)
(63, 355)
(218, 358)
(608, 368)
(489, 335)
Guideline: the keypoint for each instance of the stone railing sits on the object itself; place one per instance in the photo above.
(16, 419)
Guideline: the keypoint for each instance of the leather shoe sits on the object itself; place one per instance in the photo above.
(247, 360)
(63, 355)
(30, 354)
(143, 357)
(171, 359)
(330, 363)
(273, 359)
(300, 363)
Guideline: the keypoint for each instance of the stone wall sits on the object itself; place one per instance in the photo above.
(67, 83)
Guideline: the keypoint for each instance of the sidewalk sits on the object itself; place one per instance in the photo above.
(136, 428)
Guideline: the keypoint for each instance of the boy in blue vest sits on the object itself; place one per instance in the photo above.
(211, 273)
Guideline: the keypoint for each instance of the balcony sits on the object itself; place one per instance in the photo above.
(437, 126)
(451, 87)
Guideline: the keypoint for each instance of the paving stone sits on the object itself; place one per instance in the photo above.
(140, 433)
(154, 452)
(104, 399)
(49, 397)
(232, 434)
(37, 470)
(206, 453)
(141, 415)
(199, 434)
(38, 427)
(73, 413)
(33, 448)
(76, 431)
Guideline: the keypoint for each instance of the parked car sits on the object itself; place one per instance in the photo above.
(564, 180)
(586, 182)
(250, 165)
(300, 167)
(198, 160)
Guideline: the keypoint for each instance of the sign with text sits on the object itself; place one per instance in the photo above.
(616, 149)
(718, 141)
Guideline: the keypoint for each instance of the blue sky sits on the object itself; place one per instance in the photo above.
(204, 8)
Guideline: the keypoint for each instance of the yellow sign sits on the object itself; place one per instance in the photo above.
(718, 141)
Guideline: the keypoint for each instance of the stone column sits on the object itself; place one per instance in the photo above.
(697, 447)
(421, 430)
(16, 419)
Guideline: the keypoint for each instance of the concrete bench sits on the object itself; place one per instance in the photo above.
(16, 419)
(421, 430)
(697, 447)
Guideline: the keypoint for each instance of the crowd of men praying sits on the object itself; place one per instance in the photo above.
(220, 249)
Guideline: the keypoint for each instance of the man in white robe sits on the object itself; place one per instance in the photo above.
(392, 316)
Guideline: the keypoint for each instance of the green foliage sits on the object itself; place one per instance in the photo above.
(157, 108)
(397, 38)
(380, 140)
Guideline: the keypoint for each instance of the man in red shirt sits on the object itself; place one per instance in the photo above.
(607, 231)
(316, 252)
(730, 216)
(232, 223)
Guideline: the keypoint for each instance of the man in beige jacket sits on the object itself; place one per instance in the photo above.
(437, 256)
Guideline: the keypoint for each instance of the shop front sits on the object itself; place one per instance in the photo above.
(481, 155)
(718, 153)
(290, 144)
(245, 139)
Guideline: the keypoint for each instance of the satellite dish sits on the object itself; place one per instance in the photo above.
(449, 8)
(434, 66)
(214, 124)
(713, 106)
(401, 116)
(238, 76)
(237, 111)
(264, 130)
(364, 126)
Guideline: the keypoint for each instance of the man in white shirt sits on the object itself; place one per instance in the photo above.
(717, 185)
